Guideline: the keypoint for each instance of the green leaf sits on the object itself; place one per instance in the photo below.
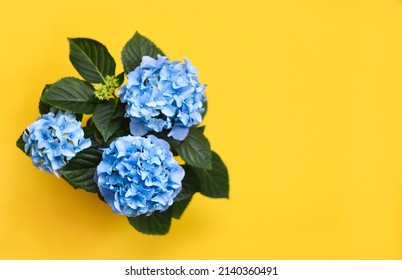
(92, 133)
(21, 144)
(195, 150)
(71, 94)
(80, 170)
(91, 59)
(201, 128)
(108, 116)
(179, 207)
(205, 109)
(44, 108)
(190, 184)
(120, 78)
(157, 224)
(124, 130)
(90, 121)
(137, 47)
(215, 182)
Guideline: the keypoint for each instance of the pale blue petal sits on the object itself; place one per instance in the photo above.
(179, 132)
(137, 128)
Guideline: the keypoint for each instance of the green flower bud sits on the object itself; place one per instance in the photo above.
(106, 91)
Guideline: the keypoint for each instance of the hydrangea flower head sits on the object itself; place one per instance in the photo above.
(162, 94)
(139, 175)
(53, 139)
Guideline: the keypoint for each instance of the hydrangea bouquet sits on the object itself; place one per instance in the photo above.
(141, 124)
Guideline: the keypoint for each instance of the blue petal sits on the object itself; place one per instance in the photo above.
(137, 128)
(107, 194)
(177, 174)
(84, 144)
(179, 132)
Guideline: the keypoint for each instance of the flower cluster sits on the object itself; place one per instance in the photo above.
(162, 94)
(106, 91)
(139, 175)
(53, 139)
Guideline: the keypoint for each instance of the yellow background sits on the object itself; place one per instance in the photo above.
(305, 108)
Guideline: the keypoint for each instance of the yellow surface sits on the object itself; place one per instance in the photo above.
(305, 108)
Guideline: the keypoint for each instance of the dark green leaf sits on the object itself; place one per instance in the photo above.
(157, 224)
(92, 133)
(89, 131)
(120, 78)
(90, 121)
(190, 184)
(205, 109)
(123, 130)
(179, 207)
(108, 116)
(21, 143)
(195, 150)
(201, 128)
(80, 170)
(43, 107)
(71, 94)
(215, 182)
(91, 59)
(137, 47)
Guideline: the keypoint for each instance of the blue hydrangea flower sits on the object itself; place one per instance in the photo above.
(53, 139)
(139, 175)
(162, 94)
